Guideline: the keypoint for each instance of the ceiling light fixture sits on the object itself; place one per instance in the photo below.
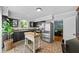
(38, 9)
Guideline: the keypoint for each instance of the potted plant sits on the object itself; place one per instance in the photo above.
(8, 28)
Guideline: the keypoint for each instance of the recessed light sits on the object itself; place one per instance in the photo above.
(38, 9)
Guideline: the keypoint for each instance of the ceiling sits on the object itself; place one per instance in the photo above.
(30, 13)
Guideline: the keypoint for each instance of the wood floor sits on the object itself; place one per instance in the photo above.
(58, 38)
(54, 47)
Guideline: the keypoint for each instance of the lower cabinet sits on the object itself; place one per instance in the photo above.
(17, 36)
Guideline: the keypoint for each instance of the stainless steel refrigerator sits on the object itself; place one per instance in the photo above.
(47, 32)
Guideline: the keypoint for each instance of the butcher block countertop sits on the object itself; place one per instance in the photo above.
(31, 35)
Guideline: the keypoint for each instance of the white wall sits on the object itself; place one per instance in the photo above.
(64, 15)
(0, 30)
(5, 11)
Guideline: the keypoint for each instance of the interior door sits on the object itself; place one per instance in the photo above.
(69, 28)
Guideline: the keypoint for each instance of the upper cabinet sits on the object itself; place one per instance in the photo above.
(5, 11)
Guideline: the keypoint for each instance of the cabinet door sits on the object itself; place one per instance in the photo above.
(18, 36)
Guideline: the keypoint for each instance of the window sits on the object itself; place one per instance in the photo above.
(23, 24)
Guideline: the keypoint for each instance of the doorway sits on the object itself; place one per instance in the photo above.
(58, 30)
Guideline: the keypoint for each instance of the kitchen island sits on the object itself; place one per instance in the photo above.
(35, 40)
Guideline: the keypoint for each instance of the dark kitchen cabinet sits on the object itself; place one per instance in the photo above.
(17, 36)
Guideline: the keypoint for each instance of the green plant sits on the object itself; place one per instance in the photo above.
(7, 27)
